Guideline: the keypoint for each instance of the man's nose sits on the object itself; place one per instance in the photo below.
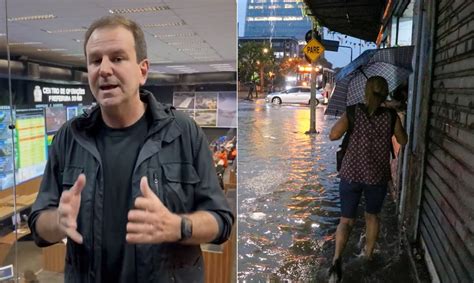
(105, 67)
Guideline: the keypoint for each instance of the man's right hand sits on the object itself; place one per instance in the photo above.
(68, 209)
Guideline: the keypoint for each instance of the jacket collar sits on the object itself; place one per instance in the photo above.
(88, 121)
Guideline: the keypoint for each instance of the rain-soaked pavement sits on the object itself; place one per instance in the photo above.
(289, 202)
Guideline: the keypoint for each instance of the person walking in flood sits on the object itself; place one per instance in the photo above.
(365, 168)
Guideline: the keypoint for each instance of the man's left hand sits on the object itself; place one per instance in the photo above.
(151, 222)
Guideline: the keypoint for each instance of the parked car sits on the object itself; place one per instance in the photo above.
(300, 94)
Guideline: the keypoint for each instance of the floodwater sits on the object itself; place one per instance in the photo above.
(288, 191)
(288, 202)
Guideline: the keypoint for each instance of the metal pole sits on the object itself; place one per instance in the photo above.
(12, 128)
(312, 101)
(345, 46)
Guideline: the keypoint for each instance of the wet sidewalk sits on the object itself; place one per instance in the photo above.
(289, 203)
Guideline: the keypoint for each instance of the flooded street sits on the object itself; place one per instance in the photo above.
(289, 202)
(288, 191)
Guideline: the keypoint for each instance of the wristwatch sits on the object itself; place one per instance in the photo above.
(186, 228)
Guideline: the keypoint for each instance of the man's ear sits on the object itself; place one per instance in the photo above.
(144, 66)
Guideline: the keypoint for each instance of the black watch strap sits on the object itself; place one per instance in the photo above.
(186, 228)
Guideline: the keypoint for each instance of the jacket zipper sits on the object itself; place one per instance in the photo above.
(155, 181)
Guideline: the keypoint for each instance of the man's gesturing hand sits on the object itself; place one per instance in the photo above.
(151, 222)
(68, 209)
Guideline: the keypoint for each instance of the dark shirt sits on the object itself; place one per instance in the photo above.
(119, 150)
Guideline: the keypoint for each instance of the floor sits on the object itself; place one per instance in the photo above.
(29, 264)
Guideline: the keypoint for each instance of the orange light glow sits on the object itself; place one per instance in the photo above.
(384, 21)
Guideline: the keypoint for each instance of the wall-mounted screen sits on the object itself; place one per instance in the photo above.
(30, 143)
(209, 109)
(227, 109)
(72, 112)
(6, 148)
(55, 118)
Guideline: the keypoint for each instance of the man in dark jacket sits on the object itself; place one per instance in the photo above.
(131, 183)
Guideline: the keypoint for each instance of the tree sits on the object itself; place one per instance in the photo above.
(255, 58)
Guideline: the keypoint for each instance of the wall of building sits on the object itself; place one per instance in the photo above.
(276, 18)
(439, 169)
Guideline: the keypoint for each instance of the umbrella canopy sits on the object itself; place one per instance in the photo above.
(394, 64)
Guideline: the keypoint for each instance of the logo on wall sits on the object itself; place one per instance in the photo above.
(38, 94)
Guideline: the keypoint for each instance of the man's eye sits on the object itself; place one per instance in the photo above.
(118, 59)
(96, 61)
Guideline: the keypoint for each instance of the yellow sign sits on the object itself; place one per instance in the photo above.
(313, 49)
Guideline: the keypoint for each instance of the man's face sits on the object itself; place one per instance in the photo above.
(113, 72)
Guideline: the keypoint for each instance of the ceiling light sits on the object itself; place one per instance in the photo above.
(162, 61)
(24, 43)
(225, 69)
(65, 30)
(138, 10)
(187, 70)
(187, 43)
(219, 65)
(222, 67)
(50, 49)
(32, 18)
(186, 34)
(177, 66)
(73, 55)
(192, 49)
(181, 23)
(78, 40)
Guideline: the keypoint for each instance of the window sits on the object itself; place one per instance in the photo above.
(401, 34)
(274, 19)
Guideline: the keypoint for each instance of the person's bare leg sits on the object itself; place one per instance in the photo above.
(372, 233)
(342, 235)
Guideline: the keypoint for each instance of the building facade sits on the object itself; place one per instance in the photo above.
(282, 46)
(438, 170)
(276, 18)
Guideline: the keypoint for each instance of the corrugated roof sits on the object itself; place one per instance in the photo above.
(357, 18)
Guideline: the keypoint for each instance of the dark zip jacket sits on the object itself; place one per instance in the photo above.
(178, 163)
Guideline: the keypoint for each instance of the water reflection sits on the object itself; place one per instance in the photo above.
(288, 198)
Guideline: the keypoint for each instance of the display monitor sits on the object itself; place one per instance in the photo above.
(6, 149)
(30, 143)
(55, 118)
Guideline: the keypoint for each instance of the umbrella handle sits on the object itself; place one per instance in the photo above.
(362, 71)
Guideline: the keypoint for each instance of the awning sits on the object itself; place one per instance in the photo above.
(357, 18)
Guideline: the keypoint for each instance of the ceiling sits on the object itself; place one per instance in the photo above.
(183, 36)
(357, 18)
